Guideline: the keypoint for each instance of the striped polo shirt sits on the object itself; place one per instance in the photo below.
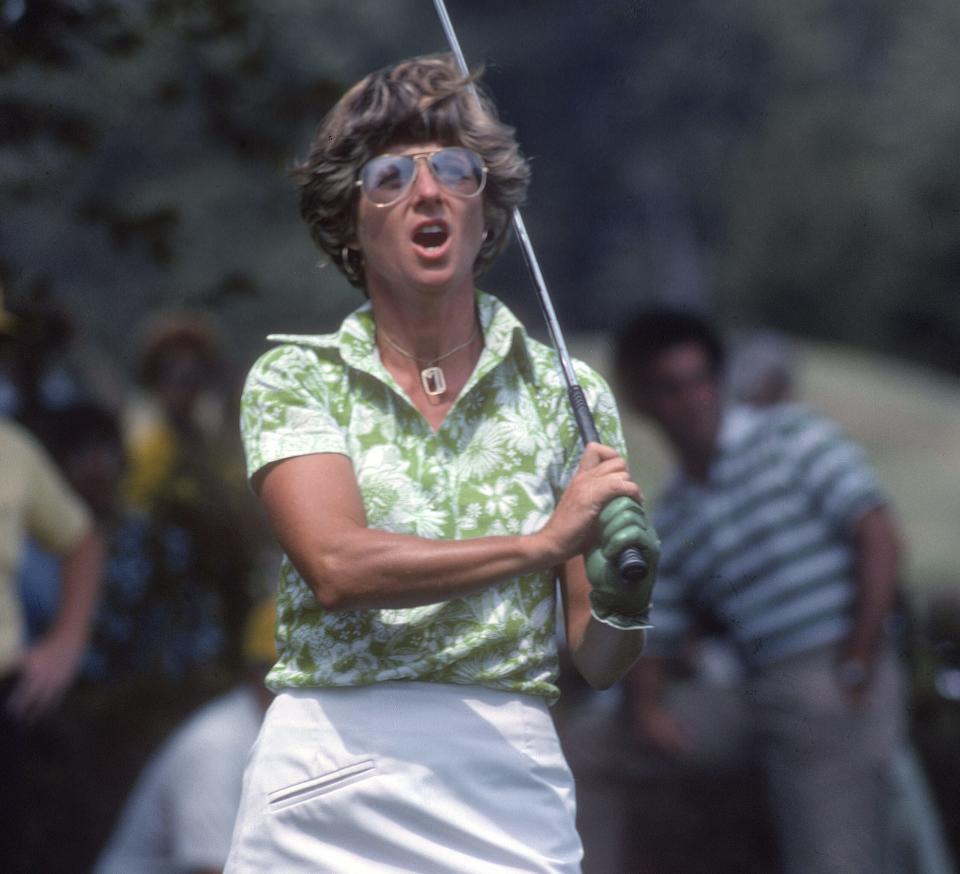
(764, 547)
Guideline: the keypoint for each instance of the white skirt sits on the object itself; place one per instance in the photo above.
(406, 776)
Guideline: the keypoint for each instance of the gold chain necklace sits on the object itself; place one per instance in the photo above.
(431, 377)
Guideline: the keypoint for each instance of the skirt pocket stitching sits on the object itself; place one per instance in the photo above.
(288, 796)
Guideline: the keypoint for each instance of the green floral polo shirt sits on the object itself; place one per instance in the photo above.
(497, 465)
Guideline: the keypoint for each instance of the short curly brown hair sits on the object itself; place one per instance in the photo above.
(419, 100)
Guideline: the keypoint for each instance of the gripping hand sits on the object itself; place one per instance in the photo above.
(622, 604)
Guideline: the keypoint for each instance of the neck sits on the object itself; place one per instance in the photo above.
(431, 366)
(425, 325)
(696, 459)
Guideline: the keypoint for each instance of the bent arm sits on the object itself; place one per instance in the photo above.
(81, 581)
(602, 654)
(878, 550)
(49, 667)
(316, 510)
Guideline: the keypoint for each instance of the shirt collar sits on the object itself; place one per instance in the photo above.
(503, 336)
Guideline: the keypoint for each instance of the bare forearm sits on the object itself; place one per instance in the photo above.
(80, 588)
(317, 513)
(368, 568)
(601, 654)
(49, 666)
(877, 569)
(604, 654)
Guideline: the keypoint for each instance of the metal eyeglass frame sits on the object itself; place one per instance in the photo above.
(426, 156)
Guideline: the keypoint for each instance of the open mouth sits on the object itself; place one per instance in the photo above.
(431, 236)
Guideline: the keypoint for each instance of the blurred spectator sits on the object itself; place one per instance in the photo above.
(161, 643)
(177, 431)
(180, 815)
(157, 619)
(761, 373)
(186, 466)
(777, 537)
(35, 501)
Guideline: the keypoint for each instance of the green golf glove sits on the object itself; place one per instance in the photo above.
(624, 604)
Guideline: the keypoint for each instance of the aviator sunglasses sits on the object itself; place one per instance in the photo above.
(387, 179)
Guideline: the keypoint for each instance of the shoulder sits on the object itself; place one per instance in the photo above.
(289, 359)
(746, 429)
(292, 373)
(798, 429)
(795, 419)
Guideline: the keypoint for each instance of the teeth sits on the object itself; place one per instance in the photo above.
(431, 229)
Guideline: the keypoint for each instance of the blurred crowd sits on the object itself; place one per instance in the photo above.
(136, 627)
(132, 554)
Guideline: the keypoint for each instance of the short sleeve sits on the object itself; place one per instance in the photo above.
(54, 514)
(289, 407)
(834, 472)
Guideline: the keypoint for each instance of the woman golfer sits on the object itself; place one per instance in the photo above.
(423, 473)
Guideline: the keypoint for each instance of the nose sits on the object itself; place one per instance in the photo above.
(425, 184)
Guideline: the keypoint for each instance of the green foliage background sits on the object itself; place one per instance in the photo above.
(787, 164)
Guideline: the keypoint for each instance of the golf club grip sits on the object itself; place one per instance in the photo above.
(630, 562)
(631, 565)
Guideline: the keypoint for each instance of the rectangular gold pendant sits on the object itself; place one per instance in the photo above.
(433, 382)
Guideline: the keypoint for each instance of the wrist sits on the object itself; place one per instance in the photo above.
(624, 617)
(544, 551)
(67, 637)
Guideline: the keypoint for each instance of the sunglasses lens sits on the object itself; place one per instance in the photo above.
(459, 170)
(387, 178)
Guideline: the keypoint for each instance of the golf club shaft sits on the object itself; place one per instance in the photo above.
(630, 562)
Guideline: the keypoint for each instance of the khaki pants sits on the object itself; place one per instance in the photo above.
(827, 763)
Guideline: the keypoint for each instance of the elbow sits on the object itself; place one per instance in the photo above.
(333, 584)
(328, 597)
(321, 575)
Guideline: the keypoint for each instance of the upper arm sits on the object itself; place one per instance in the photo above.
(289, 410)
(834, 471)
(314, 504)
